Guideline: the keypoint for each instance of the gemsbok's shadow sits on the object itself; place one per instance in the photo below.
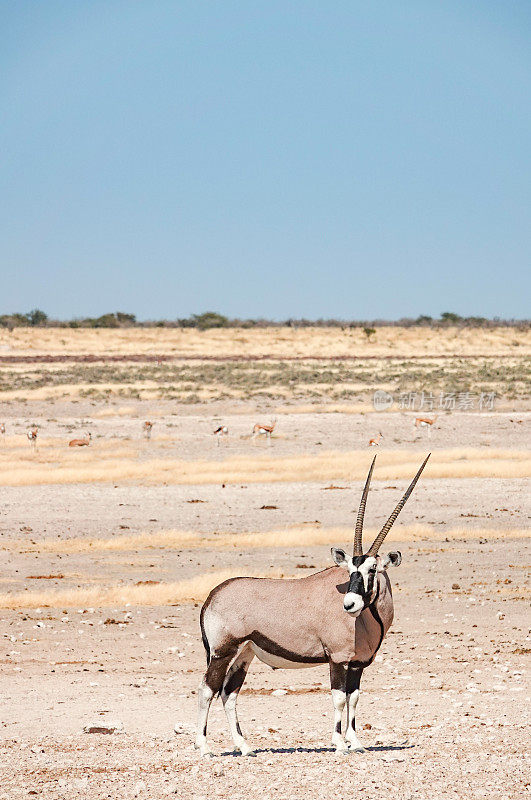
(384, 748)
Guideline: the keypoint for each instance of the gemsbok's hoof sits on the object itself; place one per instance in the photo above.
(355, 747)
(203, 751)
(341, 750)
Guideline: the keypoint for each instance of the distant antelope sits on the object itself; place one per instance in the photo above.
(264, 430)
(425, 422)
(375, 442)
(147, 427)
(221, 432)
(32, 437)
(3, 430)
(324, 618)
(81, 442)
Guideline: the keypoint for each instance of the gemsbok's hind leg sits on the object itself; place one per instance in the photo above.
(353, 694)
(338, 683)
(229, 695)
(210, 685)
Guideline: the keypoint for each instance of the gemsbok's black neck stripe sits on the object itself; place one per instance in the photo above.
(374, 612)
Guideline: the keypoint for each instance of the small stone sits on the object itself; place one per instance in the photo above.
(101, 726)
(279, 692)
(455, 586)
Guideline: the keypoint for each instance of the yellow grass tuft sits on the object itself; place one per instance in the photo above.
(102, 463)
(296, 536)
(191, 590)
(122, 411)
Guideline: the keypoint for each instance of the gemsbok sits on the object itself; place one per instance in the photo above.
(264, 430)
(81, 442)
(32, 437)
(221, 433)
(376, 441)
(147, 427)
(324, 618)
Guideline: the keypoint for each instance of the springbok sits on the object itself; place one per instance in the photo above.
(376, 441)
(3, 430)
(32, 437)
(264, 430)
(147, 427)
(221, 432)
(425, 422)
(81, 442)
(294, 623)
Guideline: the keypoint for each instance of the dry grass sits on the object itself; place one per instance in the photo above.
(281, 342)
(122, 411)
(191, 590)
(110, 462)
(295, 536)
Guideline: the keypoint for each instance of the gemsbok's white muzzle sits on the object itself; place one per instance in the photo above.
(353, 603)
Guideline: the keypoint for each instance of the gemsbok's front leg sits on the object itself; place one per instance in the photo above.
(229, 695)
(353, 693)
(338, 684)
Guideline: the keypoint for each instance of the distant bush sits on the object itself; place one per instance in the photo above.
(211, 319)
(37, 317)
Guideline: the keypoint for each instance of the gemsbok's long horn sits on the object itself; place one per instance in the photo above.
(358, 535)
(375, 546)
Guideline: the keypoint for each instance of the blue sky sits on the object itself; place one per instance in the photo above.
(335, 159)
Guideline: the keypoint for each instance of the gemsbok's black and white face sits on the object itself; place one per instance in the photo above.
(363, 583)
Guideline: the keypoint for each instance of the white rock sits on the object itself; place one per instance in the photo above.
(279, 692)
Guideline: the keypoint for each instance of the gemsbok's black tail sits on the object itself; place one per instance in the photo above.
(203, 636)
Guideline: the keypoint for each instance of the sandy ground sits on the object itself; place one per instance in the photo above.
(269, 342)
(443, 708)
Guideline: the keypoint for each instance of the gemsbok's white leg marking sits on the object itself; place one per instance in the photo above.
(339, 699)
(229, 695)
(205, 695)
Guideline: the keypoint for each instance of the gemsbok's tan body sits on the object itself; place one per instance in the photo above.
(81, 442)
(333, 617)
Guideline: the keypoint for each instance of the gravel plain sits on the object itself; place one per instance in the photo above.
(443, 709)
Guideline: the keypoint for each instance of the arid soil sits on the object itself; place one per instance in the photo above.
(443, 709)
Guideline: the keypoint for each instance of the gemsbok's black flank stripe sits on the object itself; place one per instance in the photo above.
(275, 649)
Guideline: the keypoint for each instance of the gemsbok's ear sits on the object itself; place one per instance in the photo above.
(339, 556)
(394, 558)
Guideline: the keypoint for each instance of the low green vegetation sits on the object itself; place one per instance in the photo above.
(279, 379)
